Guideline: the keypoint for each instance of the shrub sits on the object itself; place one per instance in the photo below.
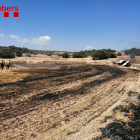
(34, 53)
(31, 51)
(81, 54)
(119, 54)
(77, 55)
(25, 50)
(18, 53)
(102, 54)
(49, 54)
(28, 55)
(7, 54)
(65, 55)
(59, 54)
(111, 55)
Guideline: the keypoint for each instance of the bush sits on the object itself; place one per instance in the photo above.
(34, 53)
(59, 54)
(127, 52)
(119, 54)
(49, 54)
(111, 55)
(77, 55)
(102, 54)
(7, 54)
(81, 54)
(30, 51)
(25, 50)
(28, 55)
(65, 55)
(18, 53)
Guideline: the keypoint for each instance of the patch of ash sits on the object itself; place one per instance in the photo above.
(127, 121)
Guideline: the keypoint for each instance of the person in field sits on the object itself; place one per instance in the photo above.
(8, 64)
(2, 64)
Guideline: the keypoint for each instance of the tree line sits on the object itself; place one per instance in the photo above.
(132, 52)
(95, 54)
(104, 53)
(12, 51)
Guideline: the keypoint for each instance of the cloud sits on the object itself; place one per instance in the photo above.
(89, 48)
(13, 36)
(41, 40)
(18, 39)
(2, 35)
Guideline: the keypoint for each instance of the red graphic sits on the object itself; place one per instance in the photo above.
(3, 8)
(6, 14)
(8, 8)
(16, 14)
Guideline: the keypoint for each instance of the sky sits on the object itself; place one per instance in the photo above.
(71, 25)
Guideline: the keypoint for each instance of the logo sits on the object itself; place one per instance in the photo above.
(7, 9)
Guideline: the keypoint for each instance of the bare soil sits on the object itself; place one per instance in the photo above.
(65, 104)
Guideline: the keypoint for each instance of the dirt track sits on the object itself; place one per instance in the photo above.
(64, 104)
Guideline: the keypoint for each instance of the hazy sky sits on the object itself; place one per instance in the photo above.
(71, 25)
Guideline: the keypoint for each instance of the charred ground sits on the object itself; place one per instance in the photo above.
(61, 104)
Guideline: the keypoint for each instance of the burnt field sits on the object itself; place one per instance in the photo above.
(69, 103)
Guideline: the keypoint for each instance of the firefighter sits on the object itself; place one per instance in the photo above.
(8, 64)
(2, 64)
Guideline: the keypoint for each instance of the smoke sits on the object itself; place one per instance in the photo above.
(20, 66)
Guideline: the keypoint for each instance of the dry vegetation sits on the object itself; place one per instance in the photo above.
(71, 103)
(8, 76)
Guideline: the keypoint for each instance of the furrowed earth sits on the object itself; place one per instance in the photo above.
(68, 101)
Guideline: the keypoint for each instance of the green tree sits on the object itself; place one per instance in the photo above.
(18, 53)
(119, 54)
(127, 52)
(65, 55)
(28, 55)
(77, 55)
(49, 54)
(25, 50)
(6, 54)
(59, 54)
(34, 53)
(100, 54)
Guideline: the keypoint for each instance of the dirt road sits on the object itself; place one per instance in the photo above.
(68, 104)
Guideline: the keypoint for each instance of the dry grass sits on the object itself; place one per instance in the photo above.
(8, 76)
(40, 58)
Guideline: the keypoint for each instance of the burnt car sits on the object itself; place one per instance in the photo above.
(126, 64)
(121, 62)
